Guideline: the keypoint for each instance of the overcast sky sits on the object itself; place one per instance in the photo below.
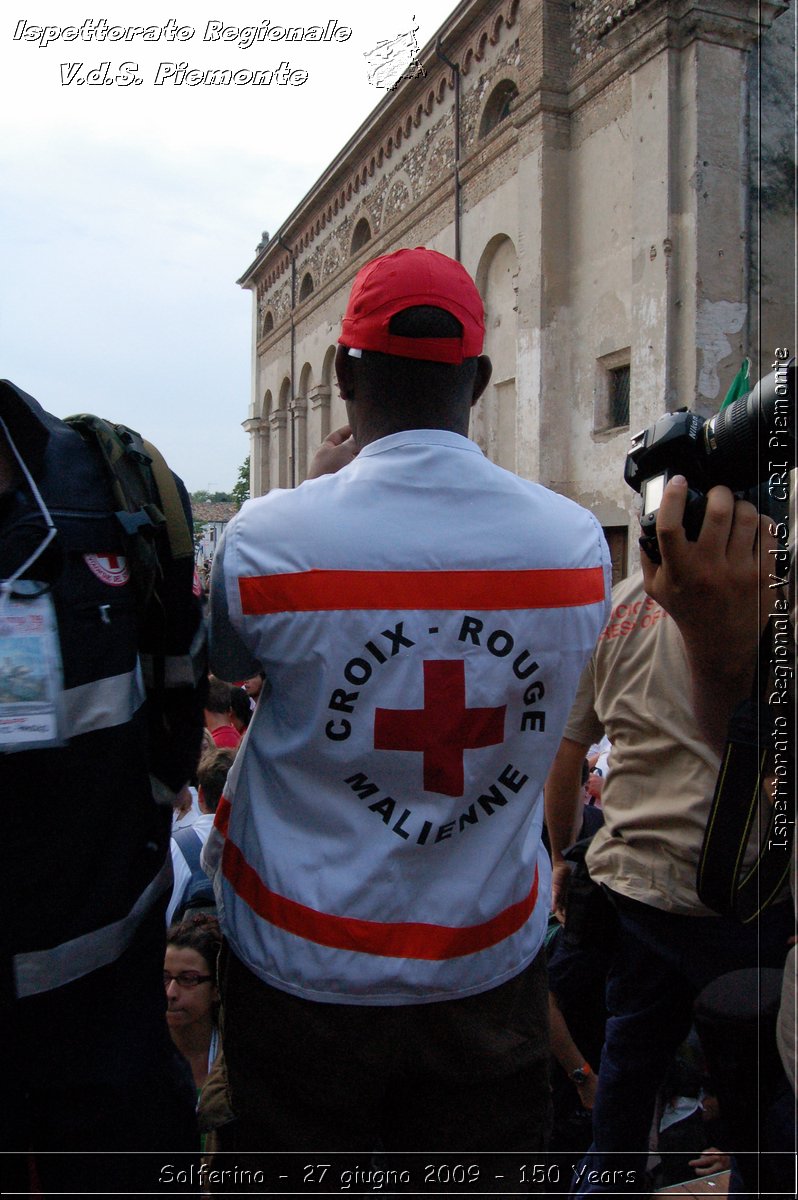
(128, 211)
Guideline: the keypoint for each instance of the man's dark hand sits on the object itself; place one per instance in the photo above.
(717, 591)
(336, 451)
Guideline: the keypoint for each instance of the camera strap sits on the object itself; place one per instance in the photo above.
(759, 750)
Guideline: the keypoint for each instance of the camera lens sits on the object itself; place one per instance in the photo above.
(737, 441)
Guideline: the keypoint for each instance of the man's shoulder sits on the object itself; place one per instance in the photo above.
(448, 505)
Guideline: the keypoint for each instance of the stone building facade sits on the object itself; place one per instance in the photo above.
(617, 178)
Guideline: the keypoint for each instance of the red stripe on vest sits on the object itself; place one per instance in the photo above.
(221, 820)
(330, 591)
(401, 939)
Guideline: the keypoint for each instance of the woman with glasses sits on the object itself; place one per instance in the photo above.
(192, 951)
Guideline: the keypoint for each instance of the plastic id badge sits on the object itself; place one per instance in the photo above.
(31, 672)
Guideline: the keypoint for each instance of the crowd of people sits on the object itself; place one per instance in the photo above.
(331, 838)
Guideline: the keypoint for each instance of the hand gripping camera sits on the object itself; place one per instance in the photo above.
(748, 443)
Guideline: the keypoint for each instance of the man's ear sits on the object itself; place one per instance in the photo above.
(344, 373)
(482, 377)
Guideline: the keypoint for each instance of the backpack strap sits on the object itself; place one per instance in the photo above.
(190, 847)
(181, 542)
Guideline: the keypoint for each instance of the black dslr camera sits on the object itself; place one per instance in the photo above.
(751, 442)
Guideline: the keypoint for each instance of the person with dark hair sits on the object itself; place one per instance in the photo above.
(253, 686)
(218, 719)
(422, 617)
(240, 710)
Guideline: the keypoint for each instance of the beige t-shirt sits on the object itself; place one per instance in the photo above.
(658, 793)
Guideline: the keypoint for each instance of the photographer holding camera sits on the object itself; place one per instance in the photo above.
(663, 688)
(721, 591)
(720, 594)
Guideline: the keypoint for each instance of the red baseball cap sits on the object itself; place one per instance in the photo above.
(407, 279)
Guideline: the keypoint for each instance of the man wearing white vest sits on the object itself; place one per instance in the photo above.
(422, 617)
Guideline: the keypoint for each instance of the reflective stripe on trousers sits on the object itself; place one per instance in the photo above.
(45, 970)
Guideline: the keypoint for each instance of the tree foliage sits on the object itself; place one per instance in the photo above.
(241, 490)
(203, 496)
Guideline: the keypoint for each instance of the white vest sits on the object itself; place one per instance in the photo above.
(422, 617)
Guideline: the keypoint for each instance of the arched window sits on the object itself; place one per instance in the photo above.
(268, 323)
(305, 380)
(278, 475)
(361, 235)
(306, 287)
(498, 106)
(495, 420)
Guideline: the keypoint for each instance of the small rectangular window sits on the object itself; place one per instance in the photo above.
(612, 394)
(619, 396)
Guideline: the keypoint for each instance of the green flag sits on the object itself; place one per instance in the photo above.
(740, 384)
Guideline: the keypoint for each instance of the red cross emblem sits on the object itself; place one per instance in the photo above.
(443, 729)
(110, 568)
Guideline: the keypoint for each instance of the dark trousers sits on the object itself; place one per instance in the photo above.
(449, 1077)
(98, 1098)
(662, 962)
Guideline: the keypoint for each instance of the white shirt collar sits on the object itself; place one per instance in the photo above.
(424, 437)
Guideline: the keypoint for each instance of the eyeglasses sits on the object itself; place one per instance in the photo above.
(186, 979)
